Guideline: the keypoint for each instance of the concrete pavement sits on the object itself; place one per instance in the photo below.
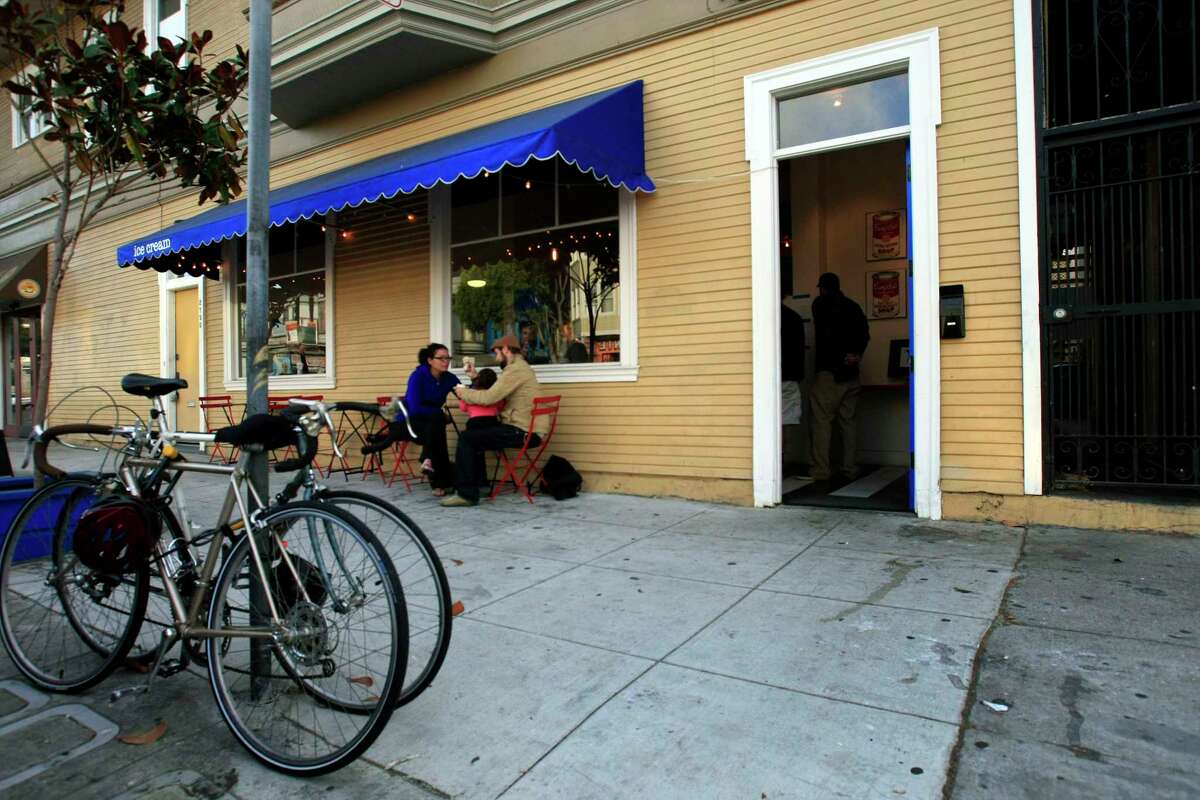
(1096, 654)
(616, 646)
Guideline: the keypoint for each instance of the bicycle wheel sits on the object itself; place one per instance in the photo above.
(426, 590)
(66, 626)
(159, 613)
(310, 699)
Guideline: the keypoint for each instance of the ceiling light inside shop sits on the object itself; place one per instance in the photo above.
(477, 283)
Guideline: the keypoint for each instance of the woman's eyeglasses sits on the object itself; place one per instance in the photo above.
(441, 358)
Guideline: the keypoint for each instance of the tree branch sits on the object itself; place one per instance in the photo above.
(88, 213)
(60, 180)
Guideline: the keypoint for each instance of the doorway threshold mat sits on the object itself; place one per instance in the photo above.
(877, 489)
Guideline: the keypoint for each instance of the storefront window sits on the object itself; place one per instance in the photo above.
(296, 301)
(535, 253)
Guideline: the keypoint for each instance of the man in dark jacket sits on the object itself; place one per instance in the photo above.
(842, 336)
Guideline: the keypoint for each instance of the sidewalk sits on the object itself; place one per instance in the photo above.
(1096, 654)
(617, 646)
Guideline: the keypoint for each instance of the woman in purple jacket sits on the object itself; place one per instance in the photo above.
(428, 386)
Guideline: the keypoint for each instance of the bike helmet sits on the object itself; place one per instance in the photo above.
(116, 534)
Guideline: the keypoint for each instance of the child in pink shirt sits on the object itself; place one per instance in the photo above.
(482, 416)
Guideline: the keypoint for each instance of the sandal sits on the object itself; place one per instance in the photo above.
(439, 492)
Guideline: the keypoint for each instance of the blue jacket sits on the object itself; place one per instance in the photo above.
(426, 394)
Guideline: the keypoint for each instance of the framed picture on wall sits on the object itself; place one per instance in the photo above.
(887, 294)
(899, 359)
(887, 235)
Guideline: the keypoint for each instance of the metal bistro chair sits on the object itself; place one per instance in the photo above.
(402, 467)
(277, 403)
(218, 413)
(523, 462)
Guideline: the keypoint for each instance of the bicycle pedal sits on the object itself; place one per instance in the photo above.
(119, 694)
(170, 667)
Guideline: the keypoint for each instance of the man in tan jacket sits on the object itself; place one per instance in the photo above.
(516, 386)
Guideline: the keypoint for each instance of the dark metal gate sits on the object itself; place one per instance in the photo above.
(1120, 213)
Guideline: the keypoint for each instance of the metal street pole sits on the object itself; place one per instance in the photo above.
(258, 359)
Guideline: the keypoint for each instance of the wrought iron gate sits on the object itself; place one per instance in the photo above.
(1120, 219)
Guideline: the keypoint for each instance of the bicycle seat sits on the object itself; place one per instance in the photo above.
(150, 386)
(269, 430)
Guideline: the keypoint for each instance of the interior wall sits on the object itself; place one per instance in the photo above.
(832, 194)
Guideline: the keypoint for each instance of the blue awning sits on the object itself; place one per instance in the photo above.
(600, 133)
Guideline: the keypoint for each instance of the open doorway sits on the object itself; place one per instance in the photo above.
(846, 408)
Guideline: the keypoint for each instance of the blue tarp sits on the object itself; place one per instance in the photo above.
(600, 133)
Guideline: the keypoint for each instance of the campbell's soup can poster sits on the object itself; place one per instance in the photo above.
(887, 235)
(885, 294)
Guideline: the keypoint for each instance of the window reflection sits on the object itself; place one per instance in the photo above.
(535, 254)
(296, 301)
(556, 291)
(844, 110)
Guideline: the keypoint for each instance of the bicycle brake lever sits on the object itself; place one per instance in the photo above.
(332, 436)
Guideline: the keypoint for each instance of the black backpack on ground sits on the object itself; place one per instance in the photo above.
(559, 479)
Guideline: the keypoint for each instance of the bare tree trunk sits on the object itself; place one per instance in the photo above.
(591, 309)
(41, 397)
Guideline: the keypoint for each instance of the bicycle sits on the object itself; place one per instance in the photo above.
(298, 606)
(426, 588)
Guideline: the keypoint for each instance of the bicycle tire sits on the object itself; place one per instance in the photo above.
(296, 690)
(426, 589)
(38, 576)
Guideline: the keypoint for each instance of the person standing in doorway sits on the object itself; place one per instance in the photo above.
(842, 335)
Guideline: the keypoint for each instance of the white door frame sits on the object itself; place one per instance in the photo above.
(1031, 293)
(918, 53)
(167, 286)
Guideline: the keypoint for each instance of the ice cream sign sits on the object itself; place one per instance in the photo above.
(152, 248)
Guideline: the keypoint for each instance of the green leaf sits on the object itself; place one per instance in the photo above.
(19, 88)
(119, 35)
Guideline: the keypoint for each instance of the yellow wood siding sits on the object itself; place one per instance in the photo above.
(107, 326)
(688, 417)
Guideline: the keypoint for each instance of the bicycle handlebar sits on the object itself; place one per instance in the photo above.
(42, 440)
(308, 448)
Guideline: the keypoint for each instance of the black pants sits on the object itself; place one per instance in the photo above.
(431, 435)
(473, 443)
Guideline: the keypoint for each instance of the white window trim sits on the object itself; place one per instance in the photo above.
(151, 21)
(18, 128)
(232, 358)
(919, 54)
(440, 329)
